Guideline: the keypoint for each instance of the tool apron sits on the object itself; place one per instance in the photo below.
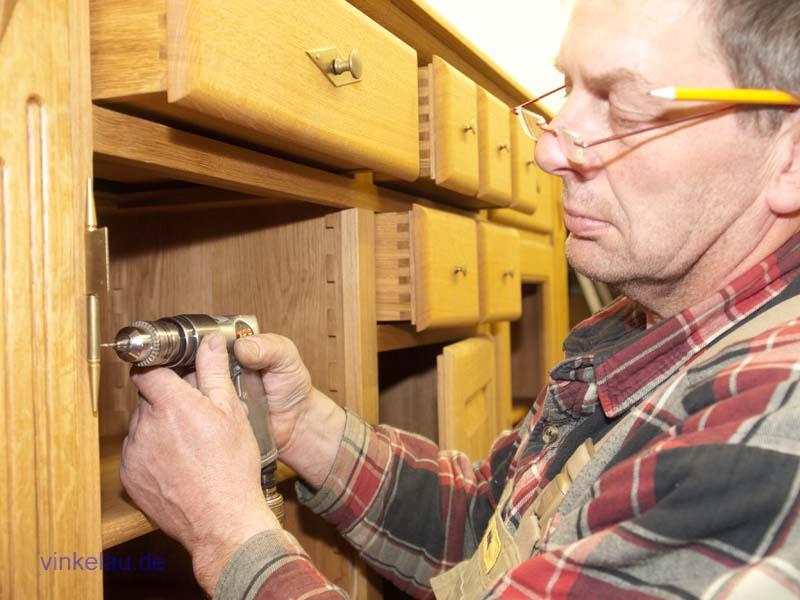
(500, 550)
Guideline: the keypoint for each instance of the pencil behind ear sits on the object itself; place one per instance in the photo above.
(783, 196)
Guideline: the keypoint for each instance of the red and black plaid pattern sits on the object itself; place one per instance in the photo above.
(695, 494)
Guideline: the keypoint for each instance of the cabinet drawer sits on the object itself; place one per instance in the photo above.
(548, 194)
(452, 113)
(466, 397)
(526, 178)
(426, 268)
(494, 150)
(247, 69)
(499, 268)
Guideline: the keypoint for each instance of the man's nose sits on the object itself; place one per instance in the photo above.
(548, 154)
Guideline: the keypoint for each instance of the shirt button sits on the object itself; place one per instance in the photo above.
(550, 434)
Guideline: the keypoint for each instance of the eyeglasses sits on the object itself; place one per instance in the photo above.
(577, 150)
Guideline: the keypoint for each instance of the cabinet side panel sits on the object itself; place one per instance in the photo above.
(49, 499)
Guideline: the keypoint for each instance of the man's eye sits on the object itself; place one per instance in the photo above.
(627, 119)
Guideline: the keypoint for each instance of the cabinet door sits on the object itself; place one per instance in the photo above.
(500, 288)
(49, 461)
(455, 129)
(466, 386)
(526, 179)
(494, 145)
(445, 267)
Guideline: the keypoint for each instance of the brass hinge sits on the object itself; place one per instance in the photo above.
(97, 277)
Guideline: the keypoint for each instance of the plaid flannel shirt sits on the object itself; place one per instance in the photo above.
(694, 496)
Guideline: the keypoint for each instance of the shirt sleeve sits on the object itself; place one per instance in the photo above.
(410, 509)
(273, 565)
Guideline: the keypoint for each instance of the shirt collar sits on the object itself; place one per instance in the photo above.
(614, 360)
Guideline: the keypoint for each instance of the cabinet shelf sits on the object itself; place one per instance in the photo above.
(122, 520)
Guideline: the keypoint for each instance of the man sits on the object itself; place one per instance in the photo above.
(691, 381)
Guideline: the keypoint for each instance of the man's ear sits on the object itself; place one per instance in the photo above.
(783, 193)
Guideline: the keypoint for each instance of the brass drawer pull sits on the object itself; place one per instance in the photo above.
(460, 269)
(335, 67)
(504, 147)
(470, 127)
(508, 274)
(352, 64)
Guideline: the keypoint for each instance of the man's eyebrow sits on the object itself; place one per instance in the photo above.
(614, 77)
(609, 79)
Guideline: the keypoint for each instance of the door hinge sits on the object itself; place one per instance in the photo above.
(97, 277)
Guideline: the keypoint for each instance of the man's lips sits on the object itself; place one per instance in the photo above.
(583, 225)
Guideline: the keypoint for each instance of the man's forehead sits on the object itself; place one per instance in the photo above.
(634, 41)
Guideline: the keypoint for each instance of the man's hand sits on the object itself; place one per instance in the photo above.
(287, 382)
(307, 426)
(191, 463)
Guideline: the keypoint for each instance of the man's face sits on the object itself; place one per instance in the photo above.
(656, 205)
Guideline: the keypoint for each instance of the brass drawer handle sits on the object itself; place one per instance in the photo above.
(508, 274)
(460, 269)
(470, 127)
(352, 64)
(331, 62)
(503, 147)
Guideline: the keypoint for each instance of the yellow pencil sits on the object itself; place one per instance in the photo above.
(734, 96)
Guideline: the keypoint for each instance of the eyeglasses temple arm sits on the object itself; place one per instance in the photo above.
(652, 127)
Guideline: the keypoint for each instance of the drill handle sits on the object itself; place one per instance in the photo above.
(250, 389)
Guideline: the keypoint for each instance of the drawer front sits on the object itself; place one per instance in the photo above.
(445, 267)
(542, 220)
(454, 115)
(526, 177)
(499, 260)
(246, 63)
(494, 149)
(466, 397)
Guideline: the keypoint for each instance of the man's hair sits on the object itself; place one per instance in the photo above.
(760, 41)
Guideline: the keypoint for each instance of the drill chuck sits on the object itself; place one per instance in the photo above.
(173, 341)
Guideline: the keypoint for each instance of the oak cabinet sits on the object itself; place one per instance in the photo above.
(467, 404)
(499, 269)
(445, 392)
(248, 70)
(543, 219)
(234, 176)
(426, 268)
(526, 177)
(494, 149)
(450, 108)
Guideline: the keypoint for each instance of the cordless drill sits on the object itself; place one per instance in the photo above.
(173, 342)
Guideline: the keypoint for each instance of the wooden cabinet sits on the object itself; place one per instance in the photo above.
(49, 460)
(499, 268)
(526, 177)
(494, 150)
(543, 219)
(248, 70)
(221, 160)
(450, 107)
(427, 268)
(466, 403)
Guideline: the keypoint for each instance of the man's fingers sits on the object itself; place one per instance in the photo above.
(213, 372)
(158, 386)
(266, 351)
